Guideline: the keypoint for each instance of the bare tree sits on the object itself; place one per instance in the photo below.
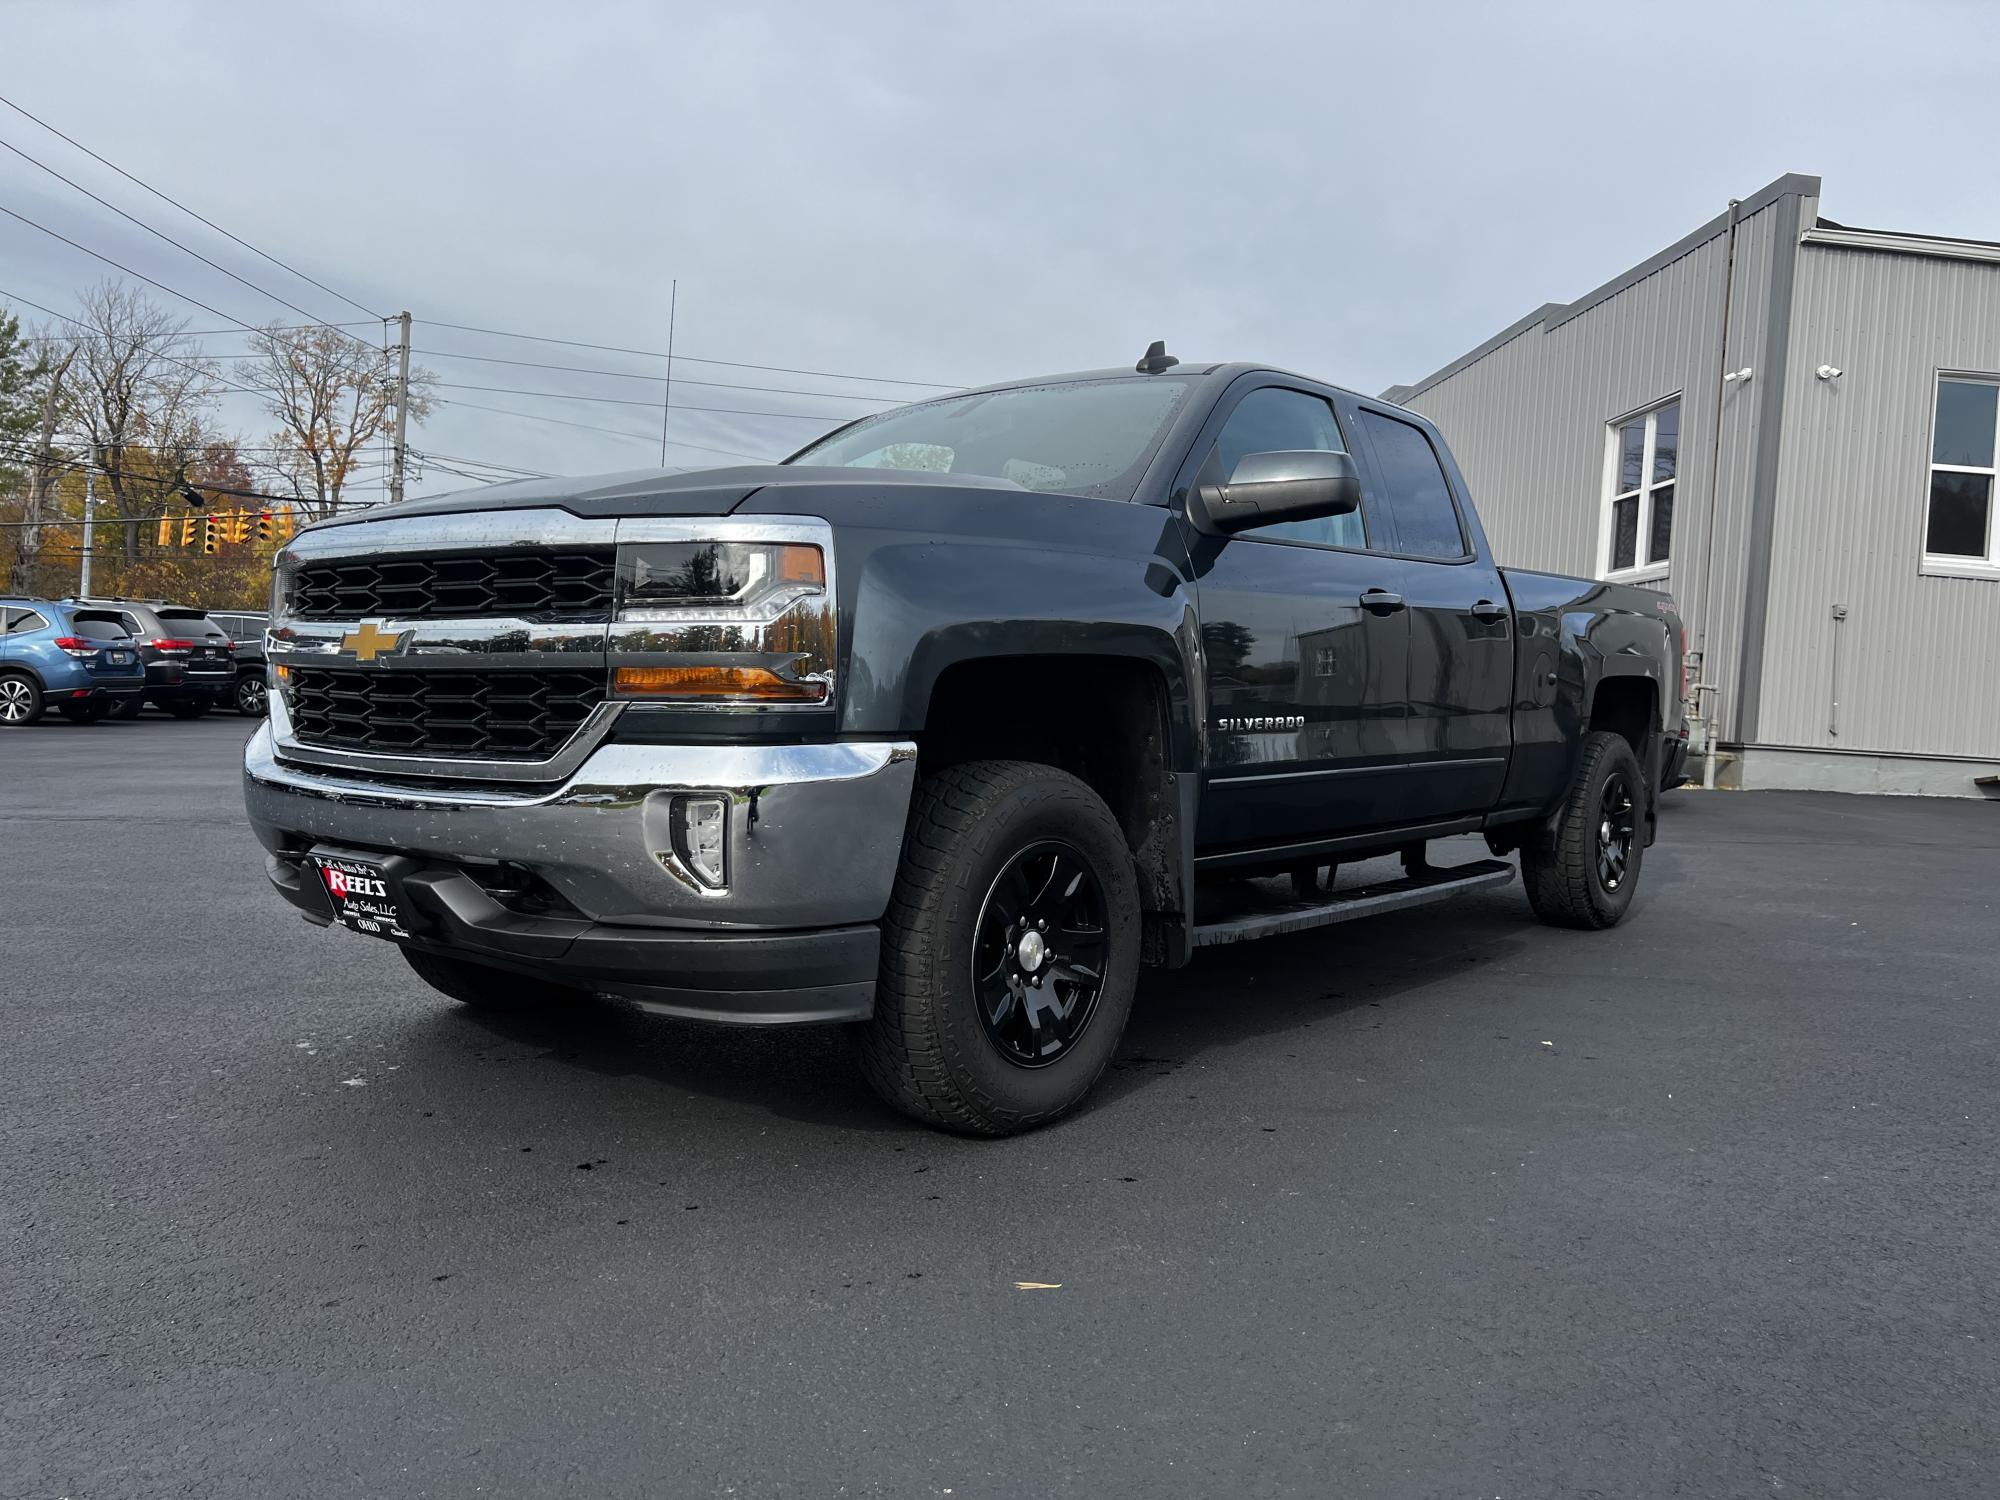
(333, 396)
(140, 396)
(43, 462)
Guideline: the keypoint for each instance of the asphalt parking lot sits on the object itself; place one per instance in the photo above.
(1445, 1204)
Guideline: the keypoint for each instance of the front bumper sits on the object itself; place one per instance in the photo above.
(814, 836)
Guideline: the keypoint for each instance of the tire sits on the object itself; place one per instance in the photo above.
(486, 988)
(90, 712)
(989, 853)
(1584, 878)
(251, 700)
(129, 709)
(20, 700)
(188, 708)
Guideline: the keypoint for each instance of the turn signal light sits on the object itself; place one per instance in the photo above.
(714, 684)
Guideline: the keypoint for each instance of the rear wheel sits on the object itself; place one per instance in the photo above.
(129, 709)
(252, 701)
(20, 701)
(1586, 876)
(88, 712)
(188, 708)
(1010, 951)
(485, 988)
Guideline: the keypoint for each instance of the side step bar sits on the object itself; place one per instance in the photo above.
(1363, 901)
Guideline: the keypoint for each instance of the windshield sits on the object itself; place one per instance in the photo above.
(1081, 438)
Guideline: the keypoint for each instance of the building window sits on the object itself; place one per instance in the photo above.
(1641, 460)
(1959, 534)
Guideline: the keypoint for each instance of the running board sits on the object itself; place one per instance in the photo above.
(1256, 921)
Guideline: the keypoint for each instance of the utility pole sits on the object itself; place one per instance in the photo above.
(667, 402)
(402, 407)
(89, 512)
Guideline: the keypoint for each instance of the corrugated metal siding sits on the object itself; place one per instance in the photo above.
(1919, 656)
(1527, 423)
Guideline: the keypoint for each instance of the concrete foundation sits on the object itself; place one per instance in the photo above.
(1764, 768)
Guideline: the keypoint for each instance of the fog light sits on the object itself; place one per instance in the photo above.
(701, 838)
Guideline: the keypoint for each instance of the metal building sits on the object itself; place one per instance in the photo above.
(1792, 425)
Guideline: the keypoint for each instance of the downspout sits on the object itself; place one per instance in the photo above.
(1708, 590)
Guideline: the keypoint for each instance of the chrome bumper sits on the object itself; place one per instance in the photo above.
(814, 832)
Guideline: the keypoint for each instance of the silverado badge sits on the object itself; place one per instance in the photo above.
(367, 643)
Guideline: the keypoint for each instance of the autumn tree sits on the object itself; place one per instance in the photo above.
(333, 396)
(141, 397)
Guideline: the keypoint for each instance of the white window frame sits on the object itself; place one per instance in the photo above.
(1607, 525)
(1947, 564)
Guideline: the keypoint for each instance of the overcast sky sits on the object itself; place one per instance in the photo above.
(949, 192)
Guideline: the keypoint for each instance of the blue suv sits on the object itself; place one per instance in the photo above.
(64, 656)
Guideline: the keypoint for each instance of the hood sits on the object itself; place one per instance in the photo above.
(660, 492)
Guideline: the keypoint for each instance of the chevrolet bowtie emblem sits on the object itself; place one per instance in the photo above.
(367, 643)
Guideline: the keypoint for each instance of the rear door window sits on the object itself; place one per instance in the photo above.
(21, 621)
(1421, 512)
(192, 622)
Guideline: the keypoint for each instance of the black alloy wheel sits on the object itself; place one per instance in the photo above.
(1038, 954)
(1617, 827)
(252, 700)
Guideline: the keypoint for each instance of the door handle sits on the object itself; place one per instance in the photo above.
(1487, 610)
(1381, 601)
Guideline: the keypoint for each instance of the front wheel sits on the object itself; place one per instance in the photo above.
(252, 699)
(1584, 876)
(1010, 951)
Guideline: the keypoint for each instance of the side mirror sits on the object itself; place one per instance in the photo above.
(1296, 485)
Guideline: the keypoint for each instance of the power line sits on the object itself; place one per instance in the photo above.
(96, 255)
(736, 411)
(199, 333)
(637, 437)
(140, 182)
(690, 358)
(162, 234)
(719, 385)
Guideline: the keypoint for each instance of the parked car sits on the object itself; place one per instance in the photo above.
(77, 660)
(246, 628)
(949, 724)
(190, 660)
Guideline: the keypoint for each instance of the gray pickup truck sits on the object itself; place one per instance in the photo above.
(949, 724)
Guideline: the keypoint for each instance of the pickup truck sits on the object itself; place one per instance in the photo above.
(947, 725)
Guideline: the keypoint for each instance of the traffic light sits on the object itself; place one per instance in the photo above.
(237, 528)
(287, 524)
(264, 526)
(166, 536)
(187, 532)
(209, 543)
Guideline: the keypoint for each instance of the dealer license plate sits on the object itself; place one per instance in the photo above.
(359, 893)
(118, 658)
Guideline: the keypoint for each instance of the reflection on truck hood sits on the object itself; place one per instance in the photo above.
(663, 492)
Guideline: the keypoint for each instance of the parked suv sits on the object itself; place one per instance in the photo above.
(246, 628)
(77, 660)
(190, 660)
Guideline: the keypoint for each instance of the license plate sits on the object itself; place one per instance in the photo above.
(359, 894)
(118, 658)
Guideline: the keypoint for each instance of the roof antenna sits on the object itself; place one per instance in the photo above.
(1156, 360)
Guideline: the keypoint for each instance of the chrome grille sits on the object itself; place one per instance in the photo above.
(496, 715)
(572, 584)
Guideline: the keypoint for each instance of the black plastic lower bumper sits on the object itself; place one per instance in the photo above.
(761, 978)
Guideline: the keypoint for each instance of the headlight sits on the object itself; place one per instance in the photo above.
(723, 623)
